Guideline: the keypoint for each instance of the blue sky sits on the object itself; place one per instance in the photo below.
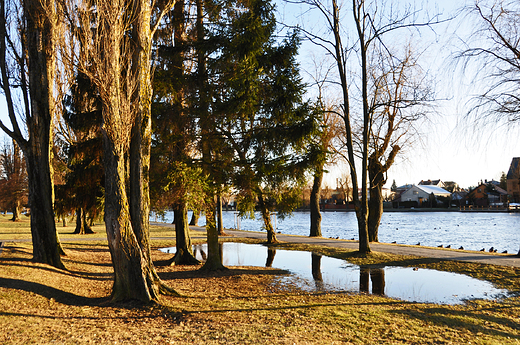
(451, 147)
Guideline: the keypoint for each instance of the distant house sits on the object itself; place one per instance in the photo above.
(487, 194)
(513, 180)
(459, 198)
(421, 194)
(436, 183)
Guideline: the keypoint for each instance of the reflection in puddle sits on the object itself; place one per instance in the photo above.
(313, 272)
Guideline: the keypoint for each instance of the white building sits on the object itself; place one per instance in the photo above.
(422, 193)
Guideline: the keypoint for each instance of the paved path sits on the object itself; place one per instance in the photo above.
(443, 254)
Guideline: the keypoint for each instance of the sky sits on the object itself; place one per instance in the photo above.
(451, 147)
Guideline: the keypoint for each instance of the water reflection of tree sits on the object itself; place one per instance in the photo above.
(271, 252)
(376, 275)
(316, 271)
(198, 248)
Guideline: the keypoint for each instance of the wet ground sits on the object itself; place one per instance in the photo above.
(313, 272)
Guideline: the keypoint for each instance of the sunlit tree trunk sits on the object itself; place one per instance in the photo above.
(82, 226)
(184, 254)
(315, 204)
(266, 217)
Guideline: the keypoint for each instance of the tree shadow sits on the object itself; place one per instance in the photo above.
(194, 274)
(49, 292)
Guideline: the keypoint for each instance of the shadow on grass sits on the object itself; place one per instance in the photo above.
(465, 319)
(296, 307)
(50, 292)
(194, 274)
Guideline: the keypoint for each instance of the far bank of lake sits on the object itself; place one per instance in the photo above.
(471, 230)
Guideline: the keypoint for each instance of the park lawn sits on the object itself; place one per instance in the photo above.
(21, 230)
(43, 305)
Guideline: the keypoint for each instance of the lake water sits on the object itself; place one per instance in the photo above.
(471, 230)
(312, 272)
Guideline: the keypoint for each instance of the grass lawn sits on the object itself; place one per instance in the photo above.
(43, 305)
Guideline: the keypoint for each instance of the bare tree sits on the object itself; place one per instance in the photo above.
(494, 47)
(373, 22)
(399, 98)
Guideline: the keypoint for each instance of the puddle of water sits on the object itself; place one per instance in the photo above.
(313, 272)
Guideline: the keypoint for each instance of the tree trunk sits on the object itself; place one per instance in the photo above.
(140, 146)
(375, 212)
(266, 216)
(219, 216)
(195, 218)
(377, 180)
(46, 246)
(82, 226)
(315, 204)
(133, 276)
(16, 209)
(214, 259)
(41, 35)
(184, 254)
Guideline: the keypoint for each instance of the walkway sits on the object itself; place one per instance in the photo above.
(443, 254)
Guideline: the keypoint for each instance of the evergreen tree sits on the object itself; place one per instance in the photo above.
(261, 113)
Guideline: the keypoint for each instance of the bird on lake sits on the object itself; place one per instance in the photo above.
(461, 248)
(418, 244)
(394, 242)
(491, 249)
(439, 246)
(448, 246)
(483, 250)
(504, 252)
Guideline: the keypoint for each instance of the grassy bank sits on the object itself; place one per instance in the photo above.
(39, 304)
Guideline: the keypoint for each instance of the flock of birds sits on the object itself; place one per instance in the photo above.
(491, 250)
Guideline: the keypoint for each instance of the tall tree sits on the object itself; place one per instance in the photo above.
(177, 182)
(83, 191)
(264, 118)
(33, 58)
(495, 47)
(373, 21)
(398, 99)
(115, 53)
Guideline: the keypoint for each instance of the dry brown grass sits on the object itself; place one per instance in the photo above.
(43, 305)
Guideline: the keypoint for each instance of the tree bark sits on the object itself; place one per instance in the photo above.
(315, 204)
(214, 258)
(41, 36)
(184, 254)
